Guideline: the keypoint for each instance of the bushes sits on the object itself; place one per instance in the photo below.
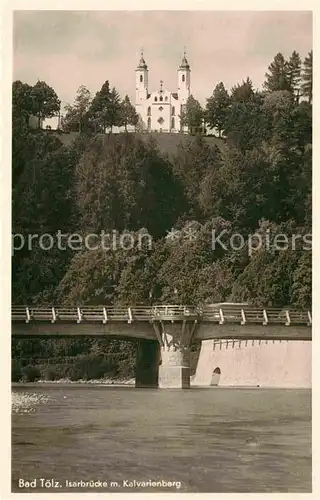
(30, 373)
(95, 367)
(74, 374)
(85, 367)
(16, 373)
(26, 374)
(49, 373)
(126, 367)
(56, 371)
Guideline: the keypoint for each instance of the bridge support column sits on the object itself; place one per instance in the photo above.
(147, 364)
(174, 370)
(175, 338)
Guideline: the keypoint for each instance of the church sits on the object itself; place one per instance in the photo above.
(160, 110)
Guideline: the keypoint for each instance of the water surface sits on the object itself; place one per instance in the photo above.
(204, 440)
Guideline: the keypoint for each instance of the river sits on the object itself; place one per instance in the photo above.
(121, 439)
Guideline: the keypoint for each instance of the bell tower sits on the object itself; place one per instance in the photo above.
(141, 80)
(184, 80)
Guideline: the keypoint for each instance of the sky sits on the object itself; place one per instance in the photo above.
(67, 49)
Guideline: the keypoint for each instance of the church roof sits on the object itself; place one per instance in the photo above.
(174, 95)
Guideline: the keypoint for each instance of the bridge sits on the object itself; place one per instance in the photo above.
(168, 330)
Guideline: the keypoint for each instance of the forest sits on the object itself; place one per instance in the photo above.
(254, 178)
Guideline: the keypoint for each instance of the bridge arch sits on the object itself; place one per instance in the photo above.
(216, 374)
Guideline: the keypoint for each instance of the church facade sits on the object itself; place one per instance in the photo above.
(160, 110)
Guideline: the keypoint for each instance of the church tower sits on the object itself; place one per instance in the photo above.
(141, 81)
(184, 80)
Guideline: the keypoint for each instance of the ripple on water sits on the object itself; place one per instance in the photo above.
(25, 402)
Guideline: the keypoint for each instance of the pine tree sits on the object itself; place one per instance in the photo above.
(99, 106)
(306, 86)
(114, 110)
(193, 116)
(105, 111)
(277, 78)
(217, 108)
(73, 121)
(294, 74)
(242, 92)
(129, 115)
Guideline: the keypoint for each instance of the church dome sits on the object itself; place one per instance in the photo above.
(184, 63)
(142, 63)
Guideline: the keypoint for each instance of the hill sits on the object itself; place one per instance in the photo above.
(167, 142)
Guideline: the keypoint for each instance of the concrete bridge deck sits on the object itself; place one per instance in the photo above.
(140, 321)
(166, 332)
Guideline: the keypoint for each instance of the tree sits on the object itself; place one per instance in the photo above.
(217, 108)
(114, 110)
(246, 123)
(123, 183)
(306, 87)
(42, 204)
(277, 78)
(98, 110)
(21, 101)
(192, 267)
(190, 165)
(302, 281)
(238, 188)
(193, 114)
(129, 115)
(139, 125)
(278, 274)
(105, 110)
(73, 121)
(242, 92)
(45, 102)
(294, 73)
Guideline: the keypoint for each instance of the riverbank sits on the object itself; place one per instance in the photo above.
(102, 381)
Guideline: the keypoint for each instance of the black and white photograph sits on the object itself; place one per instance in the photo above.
(161, 251)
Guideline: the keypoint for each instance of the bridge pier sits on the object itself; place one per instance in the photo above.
(147, 364)
(175, 338)
(174, 371)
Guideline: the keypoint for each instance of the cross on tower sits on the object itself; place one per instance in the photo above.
(161, 82)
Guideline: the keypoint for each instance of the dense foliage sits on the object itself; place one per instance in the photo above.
(258, 181)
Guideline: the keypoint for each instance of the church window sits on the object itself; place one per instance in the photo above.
(172, 123)
(173, 110)
(149, 123)
(183, 78)
(160, 120)
(155, 98)
(141, 78)
(149, 111)
(161, 108)
(166, 98)
(161, 98)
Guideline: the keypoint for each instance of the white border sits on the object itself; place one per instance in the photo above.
(5, 217)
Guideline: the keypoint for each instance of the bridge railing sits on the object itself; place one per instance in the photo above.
(221, 315)
(174, 311)
(214, 314)
(247, 315)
